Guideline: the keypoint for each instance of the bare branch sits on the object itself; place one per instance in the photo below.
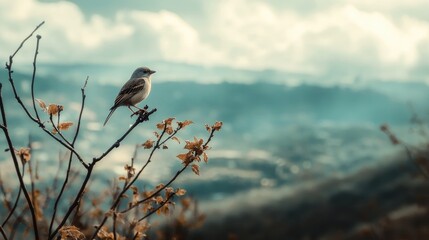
(34, 76)
(16, 165)
(143, 116)
(3, 233)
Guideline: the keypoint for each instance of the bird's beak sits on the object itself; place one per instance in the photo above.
(152, 71)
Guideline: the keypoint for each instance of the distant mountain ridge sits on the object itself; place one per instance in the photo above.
(236, 102)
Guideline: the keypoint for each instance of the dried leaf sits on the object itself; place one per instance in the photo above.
(168, 121)
(147, 206)
(53, 109)
(140, 229)
(176, 139)
(130, 170)
(208, 128)
(134, 189)
(196, 169)
(186, 157)
(71, 232)
(24, 154)
(64, 125)
(184, 123)
(160, 126)
(205, 157)
(217, 126)
(148, 144)
(180, 192)
(169, 191)
(159, 199)
(186, 202)
(182, 156)
(42, 104)
(105, 234)
(169, 130)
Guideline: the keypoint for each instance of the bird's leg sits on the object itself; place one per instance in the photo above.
(134, 113)
(137, 112)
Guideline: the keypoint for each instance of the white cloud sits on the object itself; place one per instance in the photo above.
(354, 38)
(256, 34)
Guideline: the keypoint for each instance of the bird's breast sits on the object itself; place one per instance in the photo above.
(140, 96)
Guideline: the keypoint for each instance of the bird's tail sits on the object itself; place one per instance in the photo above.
(112, 110)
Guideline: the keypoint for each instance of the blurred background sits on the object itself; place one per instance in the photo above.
(301, 87)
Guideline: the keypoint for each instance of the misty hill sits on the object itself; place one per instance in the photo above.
(237, 104)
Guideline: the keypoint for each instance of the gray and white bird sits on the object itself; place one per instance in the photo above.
(134, 90)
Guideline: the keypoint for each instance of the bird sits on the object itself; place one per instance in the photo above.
(134, 91)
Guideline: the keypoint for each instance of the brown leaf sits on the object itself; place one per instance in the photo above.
(205, 157)
(147, 206)
(159, 199)
(141, 228)
(130, 170)
(148, 144)
(134, 189)
(176, 139)
(208, 128)
(168, 121)
(182, 156)
(180, 192)
(53, 109)
(217, 126)
(42, 104)
(64, 125)
(184, 123)
(105, 234)
(71, 232)
(164, 147)
(160, 126)
(168, 191)
(24, 154)
(196, 169)
(186, 202)
(169, 130)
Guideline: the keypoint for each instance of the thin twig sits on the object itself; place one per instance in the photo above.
(16, 165)
(3, 233)
(142, 117)
(15, 205)
(114, 226)
(66, 179)
(29, 36)
(34, 76)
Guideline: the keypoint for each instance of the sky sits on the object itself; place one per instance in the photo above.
(336, 39)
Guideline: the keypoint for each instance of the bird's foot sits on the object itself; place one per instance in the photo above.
(139, 112)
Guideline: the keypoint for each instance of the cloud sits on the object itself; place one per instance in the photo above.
(321, 42)
(329, 38)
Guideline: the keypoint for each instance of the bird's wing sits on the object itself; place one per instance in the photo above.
(130, 88)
